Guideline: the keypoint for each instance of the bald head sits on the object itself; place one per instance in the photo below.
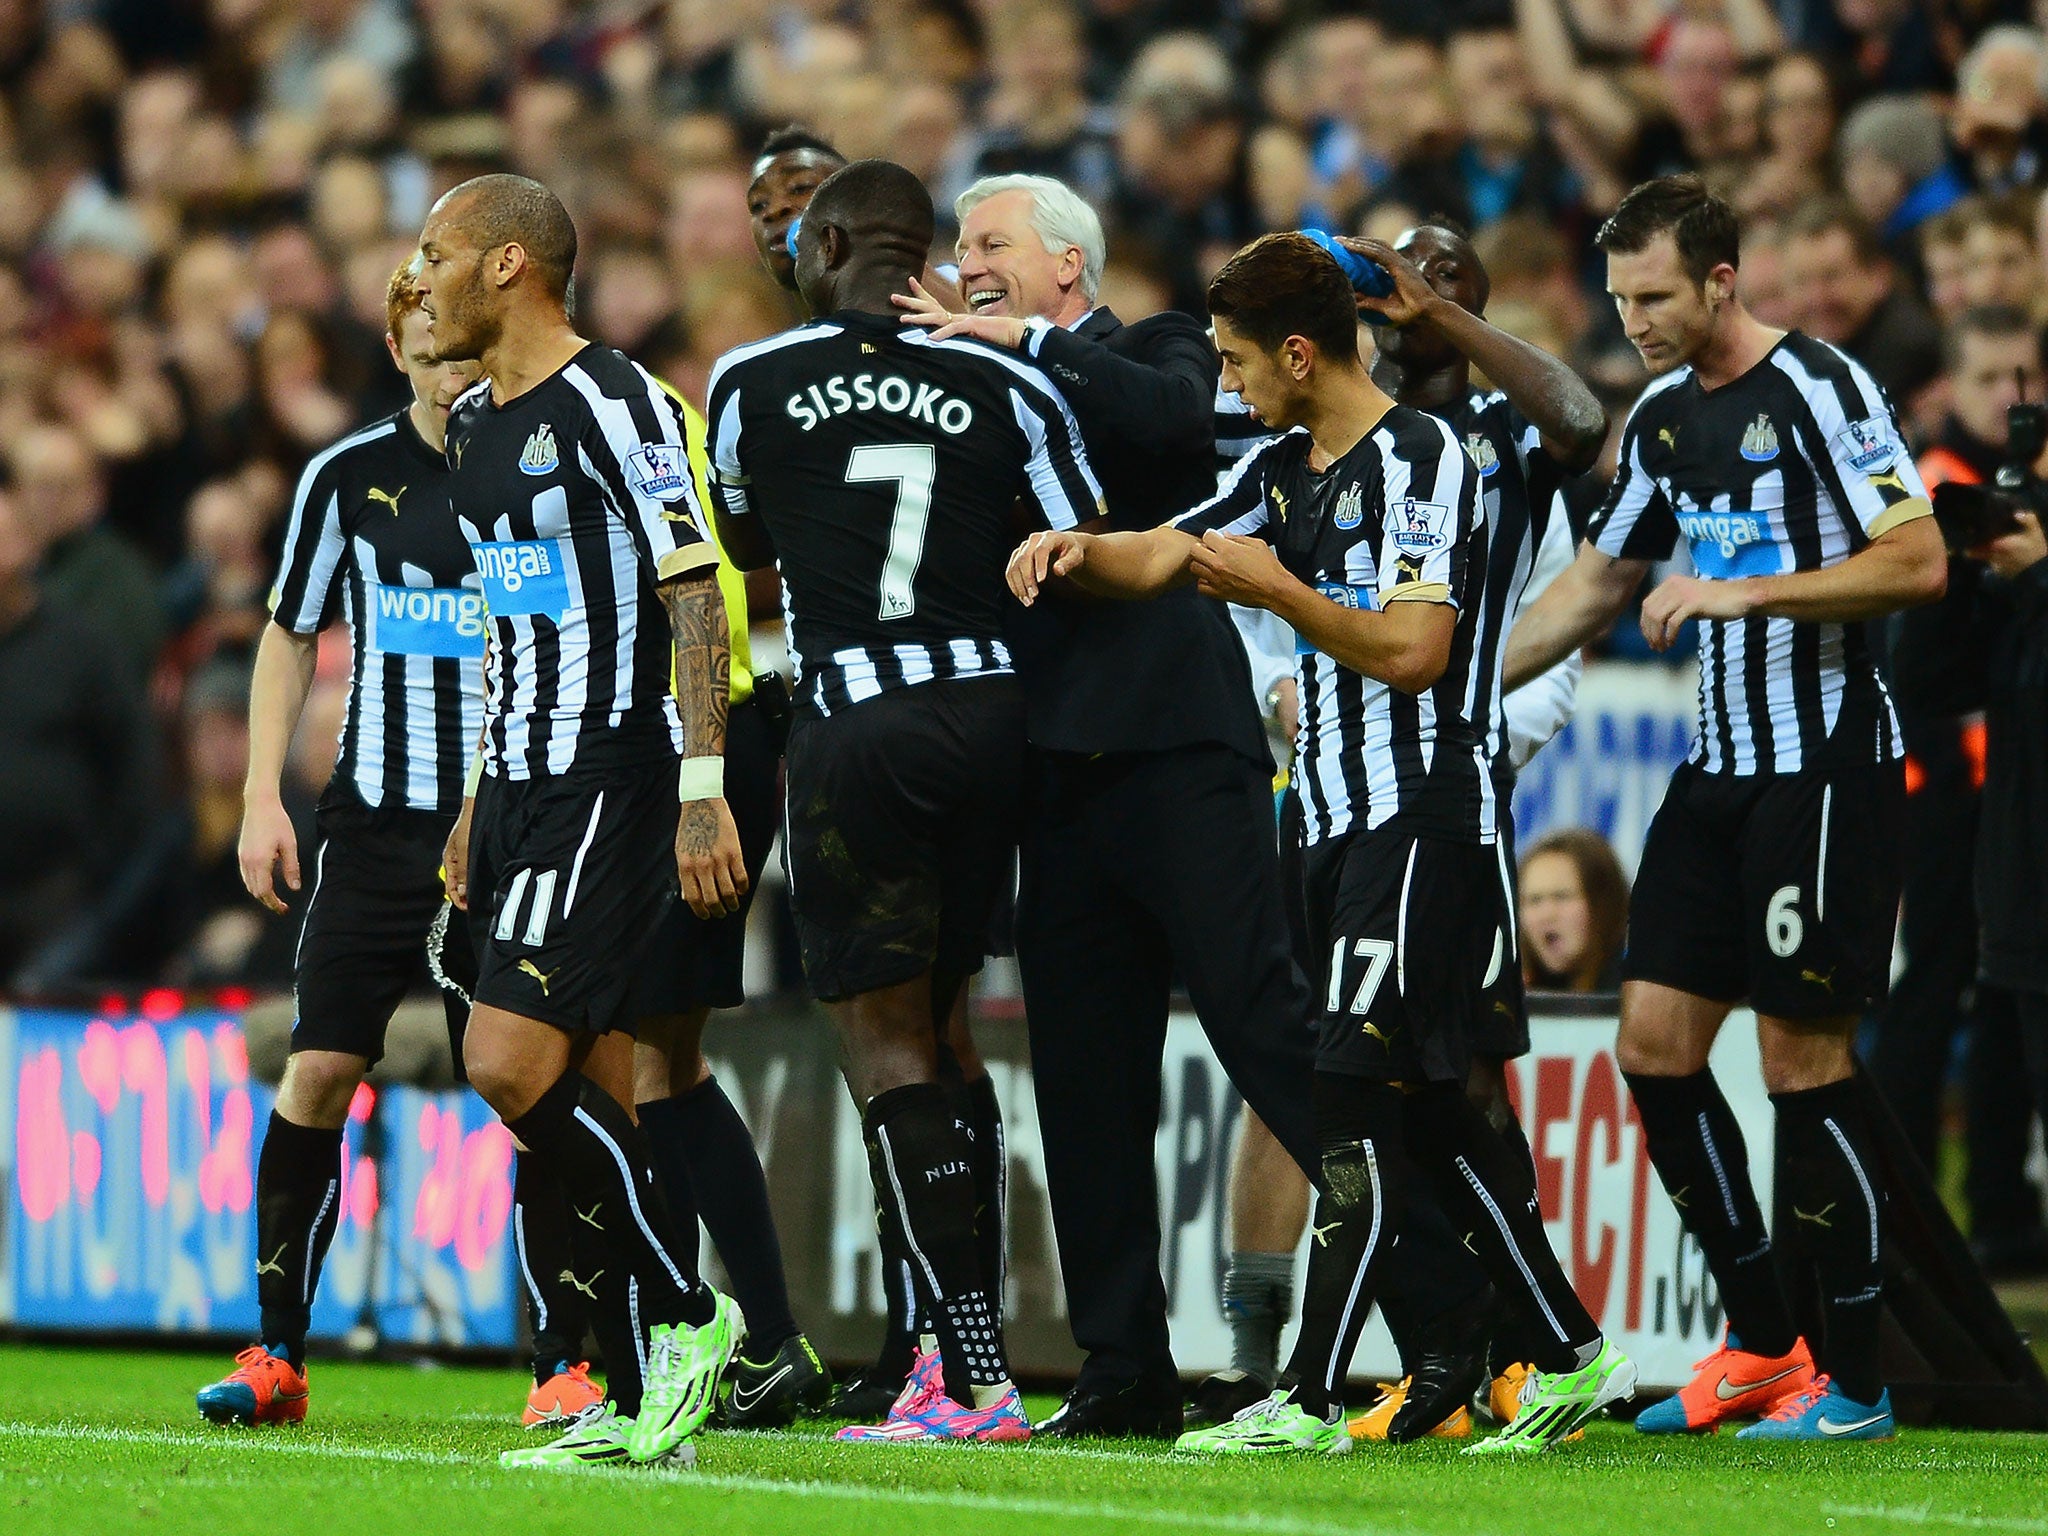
(868, 228)
(500, 210)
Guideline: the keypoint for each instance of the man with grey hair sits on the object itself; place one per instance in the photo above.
(1149, 852)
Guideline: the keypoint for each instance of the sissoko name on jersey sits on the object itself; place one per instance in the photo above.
(1395, 519)
(577, 498)
(884, 468)
(373, 541)
(1794, 466)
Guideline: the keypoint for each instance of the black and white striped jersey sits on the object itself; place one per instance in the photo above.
(577, 499)
(1396, 519)
(373, 542)
(1518, 486)
(885, 469)
(1794, 466)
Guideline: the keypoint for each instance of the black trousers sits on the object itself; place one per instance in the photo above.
(1139, 868)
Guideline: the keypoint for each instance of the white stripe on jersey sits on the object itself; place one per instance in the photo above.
(328, 554)
(371, 704)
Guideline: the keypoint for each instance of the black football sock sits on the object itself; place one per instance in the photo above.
(1430, 1275)
(904, 1325)
(1258, 1299)
(922, 1169)
(1513, 1341)
(555, 1309)
(1835, 1190)
(1488, 1190)
(991, 1183)
(298, 1202)
(1356, 1222)
(701, 1144)
(1697, 1149)
(601, 1159)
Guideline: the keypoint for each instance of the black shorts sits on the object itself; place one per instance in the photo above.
(1414, 920)
(1779, 888)
(696, 962)
(1501, 1032)
(901, 824)
(376, 890)
(568, 876)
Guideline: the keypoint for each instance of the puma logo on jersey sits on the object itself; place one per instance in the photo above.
(589, 1289)
(589, 1217)
(1892, 479)
(1668, 436)
(389, 498)
(458, 452)
(539, 975)
(270, 1266)
(1678, 1195)
(1820, 1217)
(1280, 501)
(1322, 1234)
(1824, 980)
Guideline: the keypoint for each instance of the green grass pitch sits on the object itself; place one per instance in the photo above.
(100, 1441)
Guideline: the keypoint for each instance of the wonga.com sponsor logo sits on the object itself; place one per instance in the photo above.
(1728, 544)
(524, 576)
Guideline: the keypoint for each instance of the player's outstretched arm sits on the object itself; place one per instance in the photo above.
(1903, 567)
(282, 679)
(709, 867)
(1127, 565)
(1587, 597)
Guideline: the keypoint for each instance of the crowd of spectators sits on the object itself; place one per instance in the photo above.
(201, 202)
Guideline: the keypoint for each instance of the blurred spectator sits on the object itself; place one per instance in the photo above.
(1941, 241)
(1999, 265)
(88, 571)
(1573, 913)
(1993, 359)
(1995, 123)
(75, 763)
(1038, 118)
(1798, 129)
(1846, 290)
(1895, 166)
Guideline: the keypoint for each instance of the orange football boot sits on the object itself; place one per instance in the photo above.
(261, 1389)
(1372, 1424)
(561, 1397)
(1730, 1383)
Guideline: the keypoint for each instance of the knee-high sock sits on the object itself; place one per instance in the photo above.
(1488, 1190)
(1697, 1149)
(991, 1184)
(555, 1309)
(298, 1201)
(1836, 1192)
(599, 1155)
(923, 1176)
(703, 1149)
(1357, 1220)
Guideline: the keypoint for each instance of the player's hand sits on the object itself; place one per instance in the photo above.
(268, 840)
(455, 860)
(1040, 558)
(921, 307)
(1238, 569)
(2011, 553)
(709, 866)
(1412, 295)
(1679, 598)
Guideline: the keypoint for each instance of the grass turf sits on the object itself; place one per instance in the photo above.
(98, 1440)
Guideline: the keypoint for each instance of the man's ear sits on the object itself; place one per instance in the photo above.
(1720, 284)
(1297, 356)
(510, 261)
(1072, 264)
(397, 357)
(834, 246)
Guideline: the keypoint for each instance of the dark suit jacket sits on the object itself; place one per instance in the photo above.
(1108, 676)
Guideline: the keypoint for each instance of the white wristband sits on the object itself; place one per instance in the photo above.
(474, 777)
(701, 778)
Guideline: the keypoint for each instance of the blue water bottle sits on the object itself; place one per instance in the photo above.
(1367, 276)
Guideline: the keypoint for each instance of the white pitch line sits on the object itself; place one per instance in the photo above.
(229, 1440)
(1927, 1514)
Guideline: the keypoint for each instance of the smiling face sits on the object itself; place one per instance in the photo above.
(455, 295)
(1557, 920)
(782, 189)
(1667, 315)
(1005, 268)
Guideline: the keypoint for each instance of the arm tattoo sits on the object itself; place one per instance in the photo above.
(696, 618)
